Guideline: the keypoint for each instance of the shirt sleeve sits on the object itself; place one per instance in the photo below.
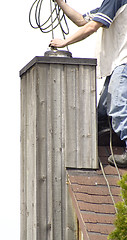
(90, 15)
(107, 12)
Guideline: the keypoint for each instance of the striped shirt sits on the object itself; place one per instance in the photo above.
(112, 46)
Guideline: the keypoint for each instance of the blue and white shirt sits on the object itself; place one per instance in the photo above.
(112, 48)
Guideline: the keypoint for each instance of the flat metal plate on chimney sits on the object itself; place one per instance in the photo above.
(57, 53)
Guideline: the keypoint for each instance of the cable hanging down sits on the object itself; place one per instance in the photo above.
(56, 18)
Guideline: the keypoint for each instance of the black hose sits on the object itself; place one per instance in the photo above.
(56, 18)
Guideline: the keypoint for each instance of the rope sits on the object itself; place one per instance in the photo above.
(109, 189)
(102, 169)
(51, 18)
(111, 149)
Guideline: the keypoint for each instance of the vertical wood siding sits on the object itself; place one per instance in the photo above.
(58, 130)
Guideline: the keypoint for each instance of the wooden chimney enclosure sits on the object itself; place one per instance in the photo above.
(58, 131)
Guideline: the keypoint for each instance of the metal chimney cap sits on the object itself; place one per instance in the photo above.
(57, 53)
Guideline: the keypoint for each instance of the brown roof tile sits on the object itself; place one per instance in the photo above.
(91, 197)
(100, 190)
(97, 208)
(96, 199)
(99, 228)
(98, 218)
(94, 180)
(94, 236)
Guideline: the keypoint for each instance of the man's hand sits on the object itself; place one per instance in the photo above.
(81, 34)
(57, 43)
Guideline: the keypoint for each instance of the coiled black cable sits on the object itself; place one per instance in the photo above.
(56, 18)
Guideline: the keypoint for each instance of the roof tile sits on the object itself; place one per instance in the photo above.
(97, 208)
(96, 199)
(91, 196)
(100, 228)
(98, 218)
(97, 236)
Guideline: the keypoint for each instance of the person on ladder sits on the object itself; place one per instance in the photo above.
(111, 17)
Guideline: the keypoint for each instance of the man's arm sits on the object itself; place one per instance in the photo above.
(81, 34)
(72, 14)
